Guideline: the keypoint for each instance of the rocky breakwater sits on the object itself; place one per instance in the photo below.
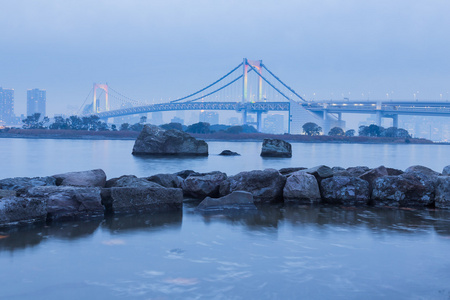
(154, 140)
(85, 194)
(88, 194)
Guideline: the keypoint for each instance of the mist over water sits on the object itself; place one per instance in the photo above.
(276, 252)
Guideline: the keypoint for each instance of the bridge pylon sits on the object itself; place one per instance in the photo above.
(257, 65)
(96, 104)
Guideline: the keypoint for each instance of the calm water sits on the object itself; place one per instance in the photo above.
(275, 253)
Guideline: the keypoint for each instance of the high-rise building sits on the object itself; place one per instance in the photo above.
(36, 100)
(6, 106)
(209, 117)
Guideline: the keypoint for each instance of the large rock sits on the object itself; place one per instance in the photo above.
(394, 172)
(142, 199)
(345, 190)
(320, 172)
(166, 180)
(7, 193)
(373, 174)
(290, 171)
(301, 188)
(68, 202)
(91, 178)
(154, 140)
(23, 183)
(16, 209)
(442, 192)
(130, 181)
(266, 186)
(235, 200)
(276, 148)
(407, 189)
(422, 171)
(357, 171)
(201, 185)
(185, 173)
(446, 171)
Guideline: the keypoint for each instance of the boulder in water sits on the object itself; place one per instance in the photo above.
(276, 148)
(154, 140)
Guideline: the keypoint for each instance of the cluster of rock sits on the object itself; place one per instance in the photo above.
(85, 194)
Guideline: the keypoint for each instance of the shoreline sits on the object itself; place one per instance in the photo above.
(218, 136)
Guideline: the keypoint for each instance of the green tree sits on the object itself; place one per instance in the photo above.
(124, 127)
(336, 131)
(311, 128)
(234, 129)
(172, 125)
(200, 127)
(350, 132)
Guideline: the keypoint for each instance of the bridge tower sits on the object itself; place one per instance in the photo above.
(257, 65)
(96, 105)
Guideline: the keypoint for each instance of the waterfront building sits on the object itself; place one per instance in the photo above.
(36, 102)
(6, 106)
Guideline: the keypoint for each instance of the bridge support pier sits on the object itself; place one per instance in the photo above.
(259, 120)
(244, 117)
(395, 121)
(378, 118)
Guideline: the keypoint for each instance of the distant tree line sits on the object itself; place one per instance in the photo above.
(93, 123)
(373, 130)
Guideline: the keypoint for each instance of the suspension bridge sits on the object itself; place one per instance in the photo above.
(245, 89)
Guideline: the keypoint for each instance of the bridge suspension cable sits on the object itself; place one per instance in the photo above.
(188, 96)
(82, 105)
(221, 88)
(128, 98)
(289, 88)
(268, 82)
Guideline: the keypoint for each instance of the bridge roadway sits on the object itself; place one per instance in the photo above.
(383, 108)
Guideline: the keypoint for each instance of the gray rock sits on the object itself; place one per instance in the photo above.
(403, 190)
(373, 174)
(422, 171)
(23, 183)
(69, 202)
(17, 209)
(154, 140)
(91, 178)
(229, 153)
(446, 171)
(142, 199)
(113, 181)
(185, 173)
(357, 171)
(320, 172)
(201, 185)
(345, 190)
(132, 181)
(266, 186)
(166, 180)
(289, 171)
(235, 200)
(394, 172)
(337, 169)
(276, 148)
(301, 188)
(7, 193)
(442, 193)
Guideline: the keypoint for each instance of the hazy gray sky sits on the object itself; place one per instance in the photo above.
(168, 48)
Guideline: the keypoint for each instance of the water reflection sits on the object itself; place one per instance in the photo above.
(156, 221)
(379, 221)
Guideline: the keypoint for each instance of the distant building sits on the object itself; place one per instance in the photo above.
(274, 123)
(36, 102)
(209, 117)
(177, 120)
(6, 106)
